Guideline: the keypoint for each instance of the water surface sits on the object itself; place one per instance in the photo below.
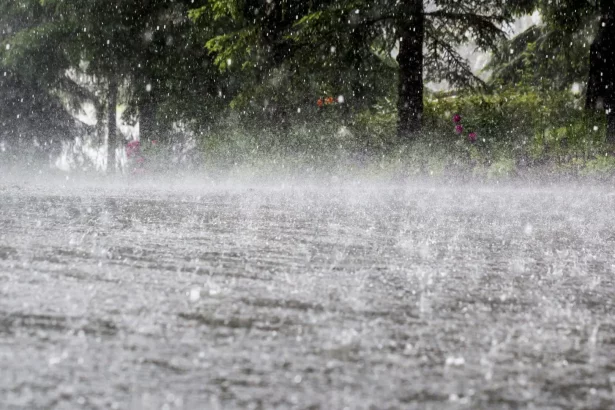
(326, 296)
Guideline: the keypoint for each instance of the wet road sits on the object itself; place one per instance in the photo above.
(317, 297)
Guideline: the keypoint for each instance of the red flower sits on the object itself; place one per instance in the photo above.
(319, 102)
(329, 100)
(472, 137)
(456, 118)
(459, 129)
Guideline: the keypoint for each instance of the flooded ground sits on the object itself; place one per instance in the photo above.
(314, 297)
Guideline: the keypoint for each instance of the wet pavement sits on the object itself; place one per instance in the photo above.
(322, 296)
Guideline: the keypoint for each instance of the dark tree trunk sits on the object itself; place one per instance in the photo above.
(147, 119)
(610, 125)
(100, 123)
(411, 29)
(601, 81)
(112, 125)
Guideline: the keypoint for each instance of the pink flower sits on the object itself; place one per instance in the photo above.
(456, 118)
(132, 148)
(472, 137)
(459, 129)
(154, 142)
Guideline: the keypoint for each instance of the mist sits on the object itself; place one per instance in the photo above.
(307, 205)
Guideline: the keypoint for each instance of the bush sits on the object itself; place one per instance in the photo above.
(515, 130)
(528, 125)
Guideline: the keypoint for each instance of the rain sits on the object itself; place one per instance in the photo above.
(280, 204)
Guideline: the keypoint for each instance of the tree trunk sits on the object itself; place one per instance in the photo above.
(610, 125)
(601, 81)
(147, 119)
(100, 123)
(411, 29)
(112, 124)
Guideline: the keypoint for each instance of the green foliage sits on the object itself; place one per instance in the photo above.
(238, 45)
(152, 48)
(518, 131)
(530, 125)
(377, 125)
(339, 47)
(552, 55)
(603, 165)
(28, 89)
(245, 77)
(216, 10)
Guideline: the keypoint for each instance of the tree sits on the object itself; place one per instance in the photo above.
(554, 55)
(601, 80)
(46, 44)
(411, 30)
(32, 74)
(152, 50)
(276, 71)
(146, 54)
(423, 34)
(170, 75)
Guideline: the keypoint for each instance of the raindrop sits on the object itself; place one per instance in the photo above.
(148, 88)
(194, 294)
(528, 229)
(54, 360)
(455, 361)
